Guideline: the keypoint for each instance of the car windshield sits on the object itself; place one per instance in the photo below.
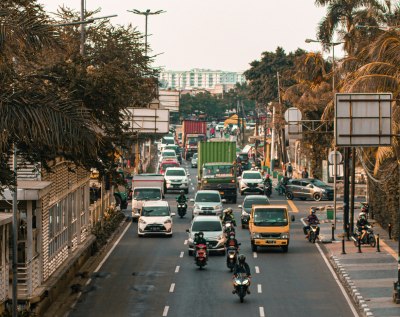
(175, 173)
(155, 211)
(167, 141)
(250, 202)
(251, 175)
(147, 194)
(193, 140)
(317, 183)
(216, 171)
(168, 153)
(166, 165)
(270, 217)
(244, 157)
(206, 226)
(208, 198)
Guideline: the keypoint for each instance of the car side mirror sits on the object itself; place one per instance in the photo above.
(191, 199)
(239, 177)
(187, 230)
(240, 206)
(223, 200)
(173, 214)
(292, 218)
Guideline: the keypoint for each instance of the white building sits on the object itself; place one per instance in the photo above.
(200, 78)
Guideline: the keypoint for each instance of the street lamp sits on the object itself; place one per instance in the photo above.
(146, 14)
(333, 44)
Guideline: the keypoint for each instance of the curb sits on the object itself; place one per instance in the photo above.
(345, 278)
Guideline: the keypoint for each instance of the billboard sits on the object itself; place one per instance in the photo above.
(148, 120)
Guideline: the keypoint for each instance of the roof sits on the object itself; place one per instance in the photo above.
(207, 218)
(155, 203)
(175, 168)
(168, 151)
(255, 196)
(207, 191)
(5, 217)
(28, 190)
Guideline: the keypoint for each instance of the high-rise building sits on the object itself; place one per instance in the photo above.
(200, 78)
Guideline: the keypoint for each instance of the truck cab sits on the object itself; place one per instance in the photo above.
(269, 227)
(191, 144)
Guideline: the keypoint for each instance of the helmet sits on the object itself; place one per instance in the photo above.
(267, 176)
(362, 215)
(242, 259)
(312, 211)
(229, 210)
(182, 191)
(201, 233)
(232, 234)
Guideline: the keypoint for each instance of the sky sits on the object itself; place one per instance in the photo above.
(214, 34)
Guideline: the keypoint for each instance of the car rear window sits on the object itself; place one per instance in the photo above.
(168, 153)
(251, 175)
(206, 226)
(250, 202)
(175, 173)
(207, 198)
(168, 141)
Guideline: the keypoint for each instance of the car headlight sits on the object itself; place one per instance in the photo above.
(285, 235)
(185, 180)
(220, 237)
(168, 181)
(142, 221)
(197, 207)
(217, 207)
(168, 221)
(244, 213)
(323, 191)
(256, 235)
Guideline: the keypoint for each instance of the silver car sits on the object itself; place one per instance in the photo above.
(194, 160)
(213, 231)
(251, 181)
(207, 203)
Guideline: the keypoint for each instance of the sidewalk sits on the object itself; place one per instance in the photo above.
(368, 275)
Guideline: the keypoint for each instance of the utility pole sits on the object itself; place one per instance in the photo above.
(242, 123)
(14, 241)
(346, 190)
(353, 183)
(272, 140)
(83, 27)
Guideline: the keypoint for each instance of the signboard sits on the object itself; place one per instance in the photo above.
(339, 169)
(331, 157)
(325, 171)
(148, 120)
(169, 99)
(293, 131)
(363, 120)
(293, 114)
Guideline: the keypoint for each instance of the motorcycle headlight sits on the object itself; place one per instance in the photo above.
(168, 221)
(245, 282)
(231, 256)
(142, 221)
(228, 225)
(220, 237)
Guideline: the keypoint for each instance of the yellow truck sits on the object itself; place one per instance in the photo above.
(269, 227)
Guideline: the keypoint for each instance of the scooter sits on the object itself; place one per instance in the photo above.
(268, 189)
(232, 257)
(242, 283)
(312, 232)
(182, 207)
(229, 228)
(201, 255)
(369, 237)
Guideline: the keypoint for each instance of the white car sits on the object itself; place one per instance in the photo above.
(251, 181)
(195, 160)
(167, 154)
(175, 178)
(207, 202)
(164, 142)
(155, 219)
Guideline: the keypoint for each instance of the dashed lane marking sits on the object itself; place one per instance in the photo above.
(292, 205)
(255, 254)
(171, 289)
(182, 253)
(165, 313)
(259, 288)
(257, 269)
(185, 242)
(192, 188)
(177, 269)
(261, 312)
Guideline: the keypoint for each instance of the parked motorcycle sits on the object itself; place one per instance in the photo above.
(229, 228)
(182, 207)
(369, 237)
(232, 257)
(201, 255)
(242, 283)
(268, 189)
(312, 232)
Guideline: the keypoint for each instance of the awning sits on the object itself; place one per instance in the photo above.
(5, 218)
(28, 190)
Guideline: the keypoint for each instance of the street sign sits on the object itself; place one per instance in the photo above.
(339, 169)
(331, 157)
(148, 120)
(363, 120)
(292, 114)
(293, 131)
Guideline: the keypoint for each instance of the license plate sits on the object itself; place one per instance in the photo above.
(221, 193)
(155, 229)
(176, 186)
(270, 241)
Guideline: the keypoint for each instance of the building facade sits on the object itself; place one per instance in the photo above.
(197, 78)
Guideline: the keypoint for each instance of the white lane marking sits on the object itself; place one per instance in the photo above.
(182, 253)
(185, 242)
(192, 188)
(259, 288)
(261, 312)
(336, 278)
(165, 312)
(177, 269)
(255, 254)
(257, 269)
(171, 289)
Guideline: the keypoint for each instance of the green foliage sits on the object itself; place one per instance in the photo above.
(212, 105)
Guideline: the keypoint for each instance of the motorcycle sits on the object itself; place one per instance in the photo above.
(182, 207)
(201, 255)
(229, 228)
(268, 189)
(239, 169)
(232, 257)
(369, 237)
(312, 232)
(242, 283)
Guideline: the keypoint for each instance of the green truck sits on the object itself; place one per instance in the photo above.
(216, 168)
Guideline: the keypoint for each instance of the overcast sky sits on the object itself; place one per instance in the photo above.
(215, 34)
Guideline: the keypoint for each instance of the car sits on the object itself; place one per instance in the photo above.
(207, 202)
(176, 179)
(251, 181)
(177, 150)
(155, 219)
(164, 142)
(167, 154)
(194, 160)
(220, 125)
(308, 188)
(213, 231)
(248, 203)
(166, 163)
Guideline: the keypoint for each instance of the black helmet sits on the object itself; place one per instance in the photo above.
(242, 259)
(182, 191)
(201, 233)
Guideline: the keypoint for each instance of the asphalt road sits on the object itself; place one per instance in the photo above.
(154, 276)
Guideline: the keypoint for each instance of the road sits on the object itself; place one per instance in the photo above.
(154, 276)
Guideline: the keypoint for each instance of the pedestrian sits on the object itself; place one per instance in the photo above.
(304, 174)
(290, 170)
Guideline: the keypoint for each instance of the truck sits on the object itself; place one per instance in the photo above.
(192, 133)
(146, 187)
(178, 133)
(216, 168)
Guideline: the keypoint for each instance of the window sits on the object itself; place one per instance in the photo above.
(175, 173)
(51, 223)
(155, 211)
(73, 206)
(58, 219)
(251, 175)
(208, 197)
(64, 212)
(270, 217)
(250, 202)
(206, 226)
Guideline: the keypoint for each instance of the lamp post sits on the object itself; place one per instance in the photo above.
(146, 14)
(333, 44)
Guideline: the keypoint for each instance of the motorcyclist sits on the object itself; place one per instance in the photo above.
(267, 180)
(362, 224)
(312, 218)
(238, 160)
(241, 267)
(228, 216)
(182, 197)
(199, 239)
(232, 242)
(212, 131)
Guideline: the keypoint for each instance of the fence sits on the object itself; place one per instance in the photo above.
(95, 208)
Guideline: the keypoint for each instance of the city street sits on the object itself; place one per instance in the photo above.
(155, 276)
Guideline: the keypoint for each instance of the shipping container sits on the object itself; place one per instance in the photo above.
(192, 128)
(217, 151)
